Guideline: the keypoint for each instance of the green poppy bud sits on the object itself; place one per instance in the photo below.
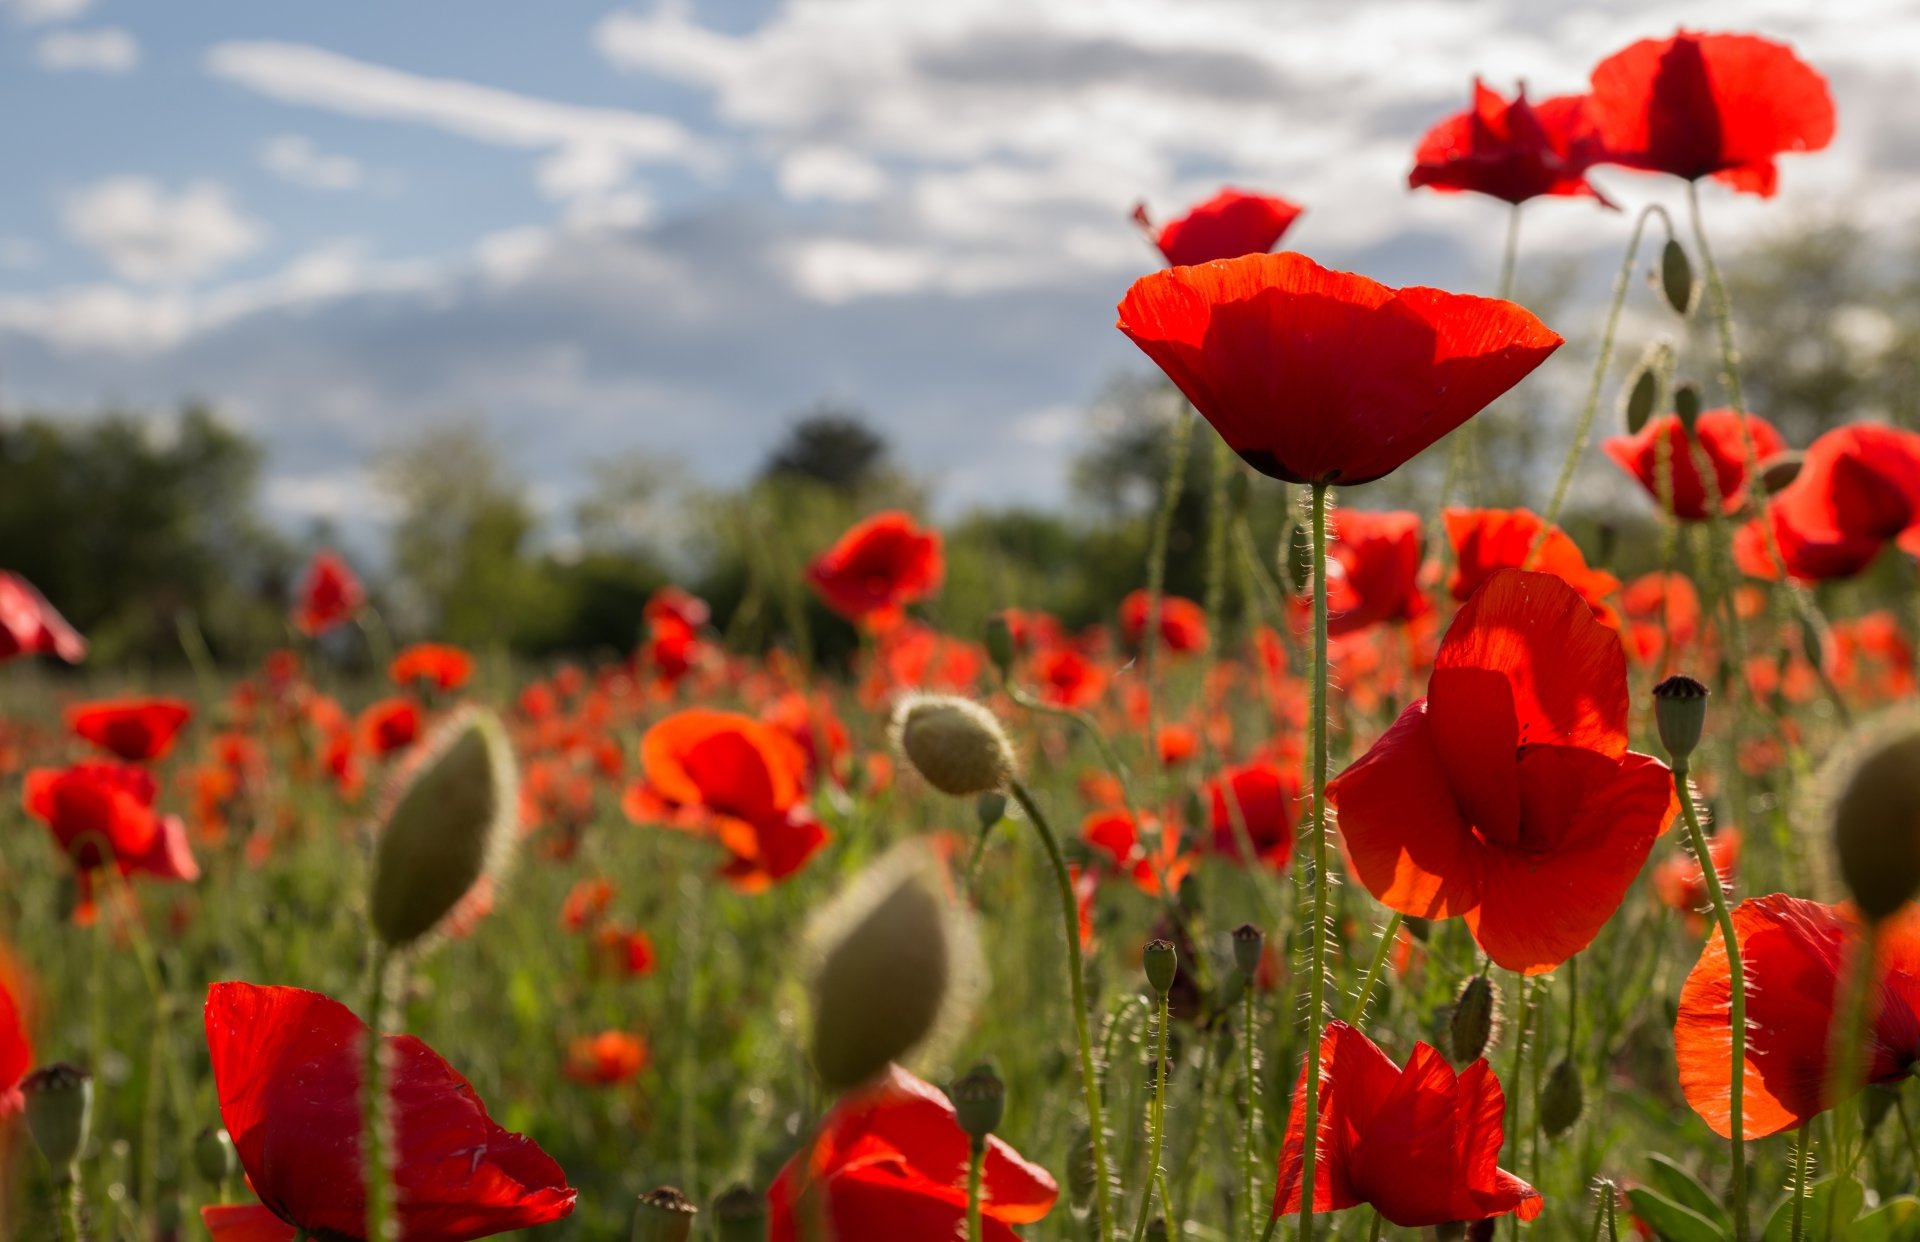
(1247, 943)
(990, 808)
(1676, 278)
(740, 1215)
(955, 743)
(1420, 929)
(1876, 826)
(1162, 963)
(1471, 1027)
(59, 1101)
(213, 1155)
(1686, 404)
(1777, 471)
(1561, 1099)
(1641, 396)
(979, 1099)
(663, 1215)
(1680, 715)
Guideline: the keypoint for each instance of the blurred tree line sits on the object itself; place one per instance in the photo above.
(141, 529)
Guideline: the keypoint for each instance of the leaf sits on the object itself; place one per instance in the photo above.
(1683, 1188)
(1896, 1220)
(1847, 1202)
(1672, 1221)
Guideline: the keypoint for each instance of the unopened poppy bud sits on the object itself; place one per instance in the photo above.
(1561, 1099)
(1876, 826)
(1676, 277)
(1418, 927)
(979, 1100)
(59, 1100)
(740, 1215)
(1640, 400)
(1686, 404)
(1779, 470)
(1083, 1175)
(1680, 715)
(663, 1215)
(213, 1155)
(1813, 643)
(1471, 1026)
(990, 808)
(955, 743)
(1162, 961)
(450, 819)
(895, 964)
(1247, 942)
(999, 641)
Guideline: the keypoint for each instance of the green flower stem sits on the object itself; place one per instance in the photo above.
(1737, 986)
(1802, 1157)
(1380, 951)
(1516, 1080)
(1906, 1128)
(1157, 567)
(1076, 975)
(976, 1156)
(1373, 1234)
(1317, 993)
(1250, 1107)
(373, 1113)
(1157, 1121)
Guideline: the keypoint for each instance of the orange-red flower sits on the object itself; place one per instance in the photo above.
(1117, 837)
(1373, 570)
(330, 593)
(137, 730)
(1508, 796)
(1067, 678)
(389, 725)
(624, 951)
(1720, 439)
(1858, 488)
(1259, 799)
(1318, 376)
(1487, 540)
(100, 812)
(29, 625)
(878, 567)
(1719, 105)
(437, 665)
(586, 903)
(1419, 1145)
(891, 1162)
(606, 1059)
(1183, 623)
(1230, 224)
(1793, 952)
(1681, 882)
(1661, 610)
(1512, 151)
(16, 1049)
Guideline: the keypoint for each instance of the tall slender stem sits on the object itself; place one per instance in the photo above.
(1076, 974)
(1317, 987)
(1250, 1111)
(976, 1156)
(1737, 1004)
(1388, 935)
(1516, 1093)
(1157, 1120)
(373, 1117)
(1803, 1156)
(1510, 257)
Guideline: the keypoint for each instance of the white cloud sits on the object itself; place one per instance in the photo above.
(831, 173)
(44, 12)
(106, 50)
(145, 234)
(590, 150)
(295, 158)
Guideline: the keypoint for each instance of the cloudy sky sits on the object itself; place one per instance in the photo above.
(668, 227)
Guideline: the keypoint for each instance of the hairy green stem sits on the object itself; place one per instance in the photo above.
(373, 1111)
(1387, 936)
(976, 1156)
(1250, 1105)
(1157, 1122)
(1803, 1157)
(1317, 986)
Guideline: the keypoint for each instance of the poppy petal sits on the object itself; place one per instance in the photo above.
(1404, 839)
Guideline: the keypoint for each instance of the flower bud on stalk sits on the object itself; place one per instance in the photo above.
(1876, 826)
(1471, 1028)
(213, 1155)
(1680, 714)
(663, 1215)
(1162, 962)
(956, 744)
(999, 642)
(1686, 404)
(740, 1215)
(1247, 942)
(1676, 278)
(1562, 1099)
(990, 808)
(1779, 470)
(979, 1100)
(59, 1107)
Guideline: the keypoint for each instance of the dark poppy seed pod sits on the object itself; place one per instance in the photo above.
(1641, 397)
(740, 1215)
(1680, 714)
(1676, 278)
(1162, 961)
(213, 1155)
(1472, 1023)
(1083, 1176)
(1876, 826)
(956, 744)
(990, 808)
(663, 1215)
(1561, 1099)
(999, 643)
(1247, 942)
(979, 1100)
(59, 1100)
(1779, 470)
(1686, 404)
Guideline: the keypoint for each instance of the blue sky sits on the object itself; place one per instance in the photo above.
(665, 228)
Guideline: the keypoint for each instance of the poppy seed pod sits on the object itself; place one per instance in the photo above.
(213, 1155)
(1779, 470)
(1162, 962)
(59, 1107)
(1680, 714)
(1876, 826)
(1640, 400)
(740, 1215)
(663, 1215)
(999, 643)
(979, 1100)
(450, 820)
(956, 744)
(990, 808)
(1686, 404)
(1562, 1099)
(1676, 278)
(1471, 1027)
(1247, 942)
(896, 964)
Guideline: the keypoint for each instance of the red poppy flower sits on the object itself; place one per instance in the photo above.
(1258, 798)
(1230, 224)
(1373, 570)
(99, 811)
(1317, 376)
(330, 594)
(1681, 882)
(1177, 743)
(671, 604)
(1720, 438)
(1719, 105)
(1486, 541)
(624, 951)
(1661, 609)
(286, 1063)
(586, 903)
(1794, 952)
(390, 725)
(1511, 151)
(29, 625)
(1117, 837)
(16, 1049)
(1858, 488)
(437, 664)
(606, 1059)
(1508, 795)
(244, 1222)
(738, 779)
(1418, 1144)
(877, 568)
(137, 730)
(1067, 678)
(891, 1162)
(1183, 623)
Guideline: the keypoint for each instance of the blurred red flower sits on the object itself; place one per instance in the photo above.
(389, 725)
(99, 811)
(1258, 798)
(1118, 840)
(1719, 105)
(330, 594)
(1858, 488)
(438, 665)
(1719, 435)
(585, 904)
(1230, 224)
(891, 1162)
(1318, 376)
(1661, 610)
(286, 1063)
(626, 952)
(1512, 151)
(1419, 1144)
(29, 625)
(878, 567)
(1681, 882)
(16, 1049)
(1183, 623)
(1508, 796)
(1486, 541)
(244, 1222)
(606, 1059)
(1067, 678)
(137, 730)
(1373, 570)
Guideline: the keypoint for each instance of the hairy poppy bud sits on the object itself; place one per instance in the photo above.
(450, 819)
(213, 1155)
(990, 808)
(1083, 1175)
(1676, 277)
(1779, 470)
(1472, 1024)
(1561, 1099)
(999, 642)
(1247, 942)
(59, 1101)
(1641, 397)
(1162, 963)
(663, 1215)
(1680, 714)
(740, 1215)
(956, 744)
(895, 964)
(1686, 404)
(1876, 826)
(979, 1099)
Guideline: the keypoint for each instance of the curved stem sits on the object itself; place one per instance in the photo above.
(975, 1157)
(373, 1115)
(1317, 987)
(1157, 1120)
(1737, 1004)
(1387, 936)
(1803, 1157)
(1076, 974)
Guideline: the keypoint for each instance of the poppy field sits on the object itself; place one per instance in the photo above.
(1421, 878)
